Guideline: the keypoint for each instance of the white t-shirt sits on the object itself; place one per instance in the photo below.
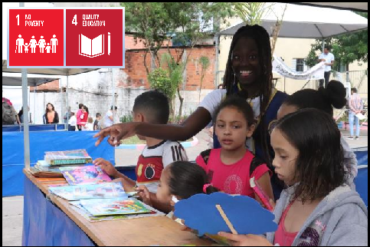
(214, 98)
(153, 160)
(72, 121)
(88, 127)
(328, 59)
(107, 121)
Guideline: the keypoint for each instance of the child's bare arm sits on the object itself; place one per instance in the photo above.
(265, 183)
(164, 207)
(127, 183)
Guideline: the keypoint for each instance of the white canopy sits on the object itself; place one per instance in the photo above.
(15, 79)
(308, 22)
(358, 6)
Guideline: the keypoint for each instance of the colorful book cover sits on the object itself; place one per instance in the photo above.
(82, 211)
(79, 156)
(90, 191)
(117, 206)
(85, 175)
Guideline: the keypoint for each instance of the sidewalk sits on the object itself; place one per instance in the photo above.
(13, 206)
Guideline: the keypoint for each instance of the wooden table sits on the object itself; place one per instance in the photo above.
(145, 231)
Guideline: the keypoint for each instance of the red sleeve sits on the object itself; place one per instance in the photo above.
(200, 161)
(261, 170)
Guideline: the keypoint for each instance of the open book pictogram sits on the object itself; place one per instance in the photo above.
(91, 48)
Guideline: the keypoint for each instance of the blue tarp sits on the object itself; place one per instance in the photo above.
(44, 224)
(38, 127)
(40, 142)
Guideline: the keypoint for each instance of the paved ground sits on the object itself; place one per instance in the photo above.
(13, 206)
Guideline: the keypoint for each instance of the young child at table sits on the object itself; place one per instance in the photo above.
(151, 107)
(179, 180)
(231, 167)
(334, 95)
(317, 208)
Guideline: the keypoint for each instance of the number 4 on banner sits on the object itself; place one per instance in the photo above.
(74, 20)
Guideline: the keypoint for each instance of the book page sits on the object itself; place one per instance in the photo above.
(97, 45)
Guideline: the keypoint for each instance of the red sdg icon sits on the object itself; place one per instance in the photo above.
(95, 37)
(36, 38)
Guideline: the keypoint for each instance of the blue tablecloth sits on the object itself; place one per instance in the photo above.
(40, 142)
(44, 224)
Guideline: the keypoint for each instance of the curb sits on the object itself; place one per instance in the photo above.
(193, 143)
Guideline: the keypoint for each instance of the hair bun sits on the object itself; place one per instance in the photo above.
(335, 93)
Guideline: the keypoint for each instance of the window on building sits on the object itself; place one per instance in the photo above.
(300, 65)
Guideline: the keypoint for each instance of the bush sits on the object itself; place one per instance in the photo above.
(160, 80)
(126, 119)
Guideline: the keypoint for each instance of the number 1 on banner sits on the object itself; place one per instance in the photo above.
(17, 19)
(74, 20)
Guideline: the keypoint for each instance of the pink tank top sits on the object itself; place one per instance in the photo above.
(282, 237)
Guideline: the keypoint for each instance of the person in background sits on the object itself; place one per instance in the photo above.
(89, 125)
(84, 117)
(108, 119)
(50, 116)
(20, 115)
(356, 106)
(10, 115)
(78, 116)
(72, 122)
(96, 122)
(67, 115)
(328, 58)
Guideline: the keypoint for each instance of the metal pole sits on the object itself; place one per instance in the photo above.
(217, 55)
(66, 125)
(34, 105)
(26, 133)
(113, 91)
(323, 45)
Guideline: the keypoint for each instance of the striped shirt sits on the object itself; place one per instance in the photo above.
(355, 102)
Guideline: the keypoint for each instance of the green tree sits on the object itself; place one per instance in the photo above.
(346, 48)
(187, 23)
(204, 63)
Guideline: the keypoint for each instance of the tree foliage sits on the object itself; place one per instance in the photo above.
(346, 49)
(187, 22)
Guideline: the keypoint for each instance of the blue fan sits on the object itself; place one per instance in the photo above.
(246, 215)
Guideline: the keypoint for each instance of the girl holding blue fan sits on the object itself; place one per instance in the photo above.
(317, 208)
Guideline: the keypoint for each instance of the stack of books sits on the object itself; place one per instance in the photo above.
(79, 156)
(56, 162)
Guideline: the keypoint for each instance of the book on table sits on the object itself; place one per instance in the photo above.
(44, 170)
(69, 157)
(85, 175)
(116, 206)
(90, 191)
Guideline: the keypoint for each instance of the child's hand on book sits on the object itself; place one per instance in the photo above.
(106, 166)
(245, 240)
(144, 194)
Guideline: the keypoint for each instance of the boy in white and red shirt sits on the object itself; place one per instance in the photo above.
(151, 107)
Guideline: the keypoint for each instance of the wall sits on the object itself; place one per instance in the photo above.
(95, 90)
(134, 75)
